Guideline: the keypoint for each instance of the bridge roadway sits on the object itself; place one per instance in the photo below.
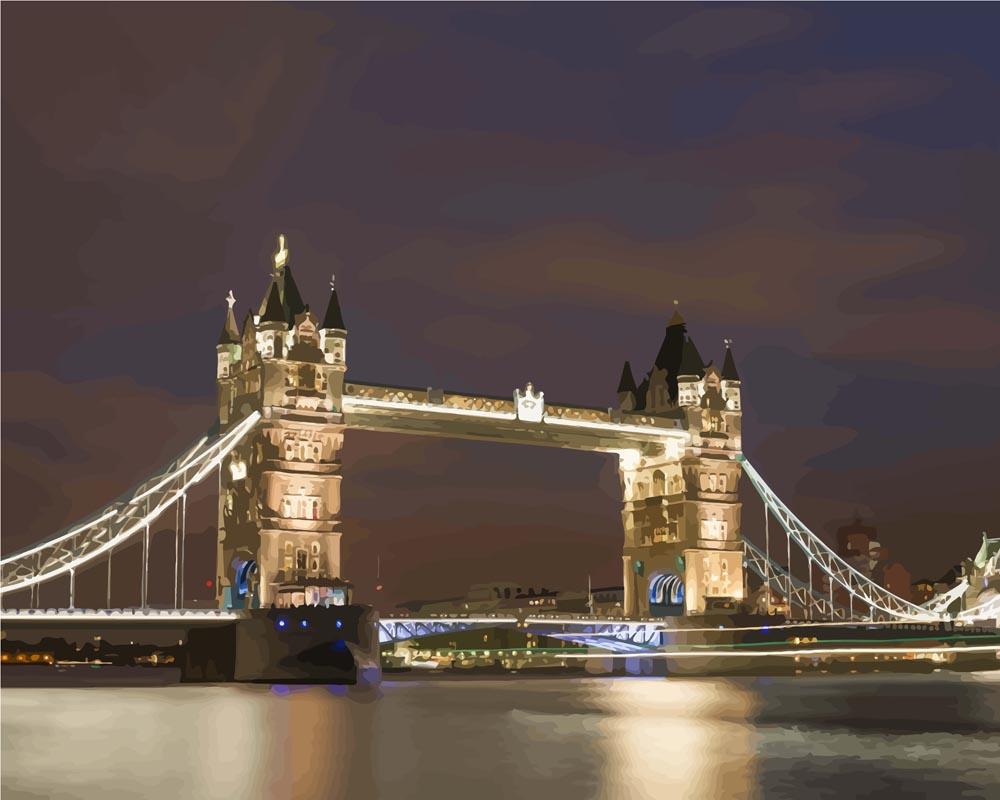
(607, 637)
(435, 412)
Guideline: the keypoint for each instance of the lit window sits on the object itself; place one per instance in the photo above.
(713, 529)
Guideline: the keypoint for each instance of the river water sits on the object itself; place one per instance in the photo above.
(906, 736)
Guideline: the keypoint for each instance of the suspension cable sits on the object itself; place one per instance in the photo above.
(767, 562)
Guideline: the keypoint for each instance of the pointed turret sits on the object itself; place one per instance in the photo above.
(669, 357)
(730, 380)
(729, 372)
(641, 391)
(228, 347)
(333, 319)
(230, 333)
(272, 325)
(690, 373)
(272, 309)
(333, 331)
(691, 363)
(627, 382)
(626, 389)
(290, 296)
(672, 349)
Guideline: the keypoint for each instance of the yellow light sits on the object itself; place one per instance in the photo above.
(281, 257)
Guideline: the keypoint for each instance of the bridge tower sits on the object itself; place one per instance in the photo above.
(279, 490)
(681, 509)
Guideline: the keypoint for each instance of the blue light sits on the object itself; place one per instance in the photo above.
(282, 623)
(304, 623)
(340, 624)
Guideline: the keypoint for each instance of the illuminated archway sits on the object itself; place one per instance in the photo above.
(666, 594)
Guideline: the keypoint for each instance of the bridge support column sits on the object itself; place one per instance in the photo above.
(629, 586)
(177, 551)
(180, 580)
(145, 567)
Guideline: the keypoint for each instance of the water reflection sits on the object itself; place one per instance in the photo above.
(675, 739)
(614, 738)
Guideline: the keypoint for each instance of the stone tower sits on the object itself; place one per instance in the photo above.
(683, 552)
(279, 491)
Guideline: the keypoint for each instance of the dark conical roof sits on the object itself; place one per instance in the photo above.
(230, 333)
(333, 318)
(640, 394)
(670, 355)
(627, 382)
(691, 363)
(292, 299)
(273, 311)
(729, 372)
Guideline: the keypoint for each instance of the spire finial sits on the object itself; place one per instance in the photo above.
(230, 299)
(677, 302)
(282, 255)
(332, 279)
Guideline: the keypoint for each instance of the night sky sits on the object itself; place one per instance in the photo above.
(513, 193)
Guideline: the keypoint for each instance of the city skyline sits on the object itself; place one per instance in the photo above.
(834, 223)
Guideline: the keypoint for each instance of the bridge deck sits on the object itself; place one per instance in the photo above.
(433, 412)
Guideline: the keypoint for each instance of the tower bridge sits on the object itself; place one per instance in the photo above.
(285, 406)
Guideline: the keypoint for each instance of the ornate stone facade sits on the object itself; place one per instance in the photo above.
(681, 509)
(279, 493)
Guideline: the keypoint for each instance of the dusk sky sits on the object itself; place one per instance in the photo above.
(513, 193)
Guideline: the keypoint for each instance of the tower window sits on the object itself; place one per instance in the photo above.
(658, 483)
(714, 529)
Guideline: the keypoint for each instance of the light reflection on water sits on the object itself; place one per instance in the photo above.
(557, 738)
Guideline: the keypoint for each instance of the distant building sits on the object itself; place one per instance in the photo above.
(485, 598)
(949, 579)
(857, 545)
(921, 590)
(609, 601)
(854, 545)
